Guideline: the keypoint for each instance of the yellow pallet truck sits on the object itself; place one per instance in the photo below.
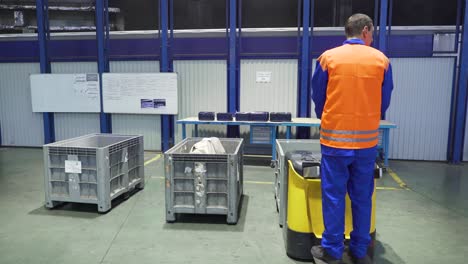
(304, 212)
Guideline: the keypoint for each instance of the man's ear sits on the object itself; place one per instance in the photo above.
(365, 29)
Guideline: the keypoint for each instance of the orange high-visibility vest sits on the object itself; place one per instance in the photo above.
(351, 113)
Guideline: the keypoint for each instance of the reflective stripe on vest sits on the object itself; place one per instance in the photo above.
(349, 132)
(349, 135)
(350, 139)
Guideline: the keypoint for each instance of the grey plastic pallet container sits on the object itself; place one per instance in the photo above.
(204, 183)
(284, 146)
(93, 169)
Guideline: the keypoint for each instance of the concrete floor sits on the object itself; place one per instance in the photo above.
(424, 223)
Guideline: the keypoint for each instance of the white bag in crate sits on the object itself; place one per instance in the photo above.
(210, 145)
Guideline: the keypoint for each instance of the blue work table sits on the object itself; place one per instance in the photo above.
(385, 127)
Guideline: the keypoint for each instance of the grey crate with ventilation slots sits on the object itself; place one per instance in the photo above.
(93, 169)
(204, 183)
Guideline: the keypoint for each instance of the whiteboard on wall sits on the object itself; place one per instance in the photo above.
(65, 93)
(140, 93)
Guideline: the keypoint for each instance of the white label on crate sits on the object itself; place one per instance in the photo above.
(263, 77)
(72, 166)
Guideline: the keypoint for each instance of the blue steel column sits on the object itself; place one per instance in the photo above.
(304, 99)
(383, 26)
(461, 98)
(238, 51)
(43, 36)
(383, 38)
(390, 16)
(232, 87)
(170, 44)
(106, 37)
(103, 60)
(166, 124)
(171, 66)
(309, 64)
(376, 22)
(457, 28)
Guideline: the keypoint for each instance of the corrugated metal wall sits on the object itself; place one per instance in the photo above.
(420, 103)
(69, 125)
(202, 87)
(280, 95)
(420, 107)
(147, 125)
(19, 125)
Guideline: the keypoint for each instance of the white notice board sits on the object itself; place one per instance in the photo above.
(65, 92)
(140, 93)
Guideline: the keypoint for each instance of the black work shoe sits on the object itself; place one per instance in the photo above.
(322, 257)
(364, 260)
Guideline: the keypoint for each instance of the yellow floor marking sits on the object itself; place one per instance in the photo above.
(153, 159)
(397, 179)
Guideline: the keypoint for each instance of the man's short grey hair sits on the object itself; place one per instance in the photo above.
(356, 23)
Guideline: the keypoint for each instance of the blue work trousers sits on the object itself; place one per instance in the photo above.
(354, 174)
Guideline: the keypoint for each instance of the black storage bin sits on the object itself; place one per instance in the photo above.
(224, 116)
(206, 116)
(242, 116)
(280, 116)
(259, 116)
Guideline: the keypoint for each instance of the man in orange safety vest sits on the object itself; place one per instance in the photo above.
(351, 89)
